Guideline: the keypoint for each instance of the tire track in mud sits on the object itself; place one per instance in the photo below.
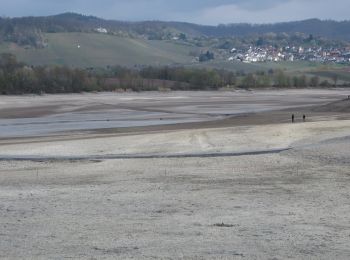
(137, 156)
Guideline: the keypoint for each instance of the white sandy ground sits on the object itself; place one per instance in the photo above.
(235, 139)
(282, 97)
(290, 205)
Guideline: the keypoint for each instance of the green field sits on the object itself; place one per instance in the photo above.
(98, 50)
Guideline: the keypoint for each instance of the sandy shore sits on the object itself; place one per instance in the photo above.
(266, 189)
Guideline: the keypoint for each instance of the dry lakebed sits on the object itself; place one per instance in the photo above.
(176, 175)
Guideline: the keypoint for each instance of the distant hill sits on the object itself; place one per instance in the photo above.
(27, 30)
(100, 50)
(328, 29)
(87, 41)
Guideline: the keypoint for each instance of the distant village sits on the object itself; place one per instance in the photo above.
(255, 54)
(291, 53)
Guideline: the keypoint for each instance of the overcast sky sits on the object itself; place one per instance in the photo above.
(197, 11)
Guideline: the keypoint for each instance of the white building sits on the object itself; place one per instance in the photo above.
(101, 30)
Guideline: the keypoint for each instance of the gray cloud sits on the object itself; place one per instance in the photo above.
(278, 12)
(199, 11)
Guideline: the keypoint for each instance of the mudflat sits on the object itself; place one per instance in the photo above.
(204, 175)
(25, 116)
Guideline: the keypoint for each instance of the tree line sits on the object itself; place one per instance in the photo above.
(19, 78)
(280, 79)
(201, 79)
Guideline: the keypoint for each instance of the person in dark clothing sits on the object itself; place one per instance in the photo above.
(304, 118)
(293, 118)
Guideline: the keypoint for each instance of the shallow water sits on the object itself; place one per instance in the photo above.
(111, 110)
(73, 122)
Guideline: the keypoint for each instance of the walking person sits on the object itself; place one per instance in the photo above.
(304, 118)
(292, 118)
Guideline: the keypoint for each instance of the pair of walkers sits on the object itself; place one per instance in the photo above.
(293, 118)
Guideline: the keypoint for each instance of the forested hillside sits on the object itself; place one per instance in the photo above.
(30, 30)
